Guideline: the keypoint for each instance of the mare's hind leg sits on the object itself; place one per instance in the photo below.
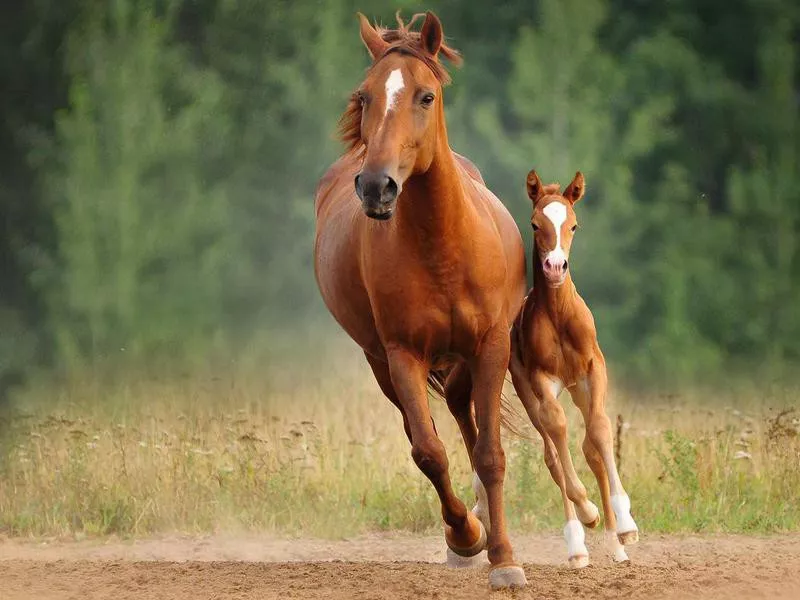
(458, 390)
(577, 553)
(404, 381)
(591, 396)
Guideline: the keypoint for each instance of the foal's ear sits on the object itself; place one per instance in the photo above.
(574, 191)
(431, 34)
(372, 38)
(534, 186)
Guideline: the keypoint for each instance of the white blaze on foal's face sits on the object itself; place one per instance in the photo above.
(554, 224)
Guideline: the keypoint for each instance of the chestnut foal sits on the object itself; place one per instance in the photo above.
(554, 346)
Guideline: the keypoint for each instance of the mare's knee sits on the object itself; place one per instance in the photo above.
(430, 456)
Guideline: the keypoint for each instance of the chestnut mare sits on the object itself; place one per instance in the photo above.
(425, 269)
(554, 346)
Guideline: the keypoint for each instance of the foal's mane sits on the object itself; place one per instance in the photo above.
(402, 41)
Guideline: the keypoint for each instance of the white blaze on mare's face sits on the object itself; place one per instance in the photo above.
(557, 213)
(394, 83)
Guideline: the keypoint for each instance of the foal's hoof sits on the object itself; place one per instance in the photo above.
(455, 561)
(628, 538)
(507, 577)
(589, 515)
(578, 562)
(460, 544)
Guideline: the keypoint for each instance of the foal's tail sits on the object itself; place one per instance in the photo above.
(510, 417)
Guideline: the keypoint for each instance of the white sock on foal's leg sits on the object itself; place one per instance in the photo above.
(578, 554)
(627, 531)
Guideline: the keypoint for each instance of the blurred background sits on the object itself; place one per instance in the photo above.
(166, 362)
(159, 161)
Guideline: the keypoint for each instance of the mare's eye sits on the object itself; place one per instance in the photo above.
(427, 100)
(574, 227)
(362, 98)
(535, 226)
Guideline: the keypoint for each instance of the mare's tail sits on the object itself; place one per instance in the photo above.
(510, 417)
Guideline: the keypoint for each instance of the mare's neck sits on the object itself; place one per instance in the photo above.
(433, 204)
(558, 302)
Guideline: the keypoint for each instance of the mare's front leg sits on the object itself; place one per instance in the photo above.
(464, 533)
(488, 373)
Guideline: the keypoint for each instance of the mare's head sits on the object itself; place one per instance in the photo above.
(396, 116)
(554, 224)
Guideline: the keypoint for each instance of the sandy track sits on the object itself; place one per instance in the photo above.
(390, 567)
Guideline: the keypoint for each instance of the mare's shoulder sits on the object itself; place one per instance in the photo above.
(469, 167)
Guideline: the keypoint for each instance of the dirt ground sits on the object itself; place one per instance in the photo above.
(391, 567)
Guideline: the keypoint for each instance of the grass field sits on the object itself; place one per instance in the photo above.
(316, 450)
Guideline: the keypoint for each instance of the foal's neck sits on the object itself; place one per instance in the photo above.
(558, 302)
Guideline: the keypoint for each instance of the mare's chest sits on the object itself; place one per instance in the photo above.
(440, 308)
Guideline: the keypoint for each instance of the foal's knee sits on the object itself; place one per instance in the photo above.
(430, 456)
(553, 418)
(592, 455)
(598, 430)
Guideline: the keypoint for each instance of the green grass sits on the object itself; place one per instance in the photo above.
(318, 451)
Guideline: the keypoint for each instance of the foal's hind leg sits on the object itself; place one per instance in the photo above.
(404, 381)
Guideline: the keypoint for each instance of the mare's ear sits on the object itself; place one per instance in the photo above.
(534, 186)
(372, 38)
(574, 191)
(431, 34)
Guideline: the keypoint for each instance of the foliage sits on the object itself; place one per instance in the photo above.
(160, 160)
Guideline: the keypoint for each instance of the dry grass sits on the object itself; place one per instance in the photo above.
(319, 451)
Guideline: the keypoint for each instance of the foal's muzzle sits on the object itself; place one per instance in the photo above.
(377, 192)
(555, 270)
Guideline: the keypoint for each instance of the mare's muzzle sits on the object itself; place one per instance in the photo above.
(377, 192)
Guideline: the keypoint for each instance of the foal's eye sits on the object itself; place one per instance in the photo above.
(427, 100)
(535, 226)
(362, 98)
(573, 228)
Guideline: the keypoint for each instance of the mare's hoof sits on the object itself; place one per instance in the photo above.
(578, 562)
(628, 538)
(507, 577)
(473, 526)
(455, 561)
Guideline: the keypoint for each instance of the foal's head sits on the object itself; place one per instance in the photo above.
(554, 224)
(396, 114)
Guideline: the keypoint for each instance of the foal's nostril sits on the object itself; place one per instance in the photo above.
(566, 264)
(359, 190)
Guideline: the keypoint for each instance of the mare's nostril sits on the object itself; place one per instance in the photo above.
(566, 264)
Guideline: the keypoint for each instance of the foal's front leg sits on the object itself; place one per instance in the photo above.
(598, 430)
(488, 371)
(577, 553)
(464, 533)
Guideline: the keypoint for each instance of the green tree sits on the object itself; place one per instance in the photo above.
(143, 234)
